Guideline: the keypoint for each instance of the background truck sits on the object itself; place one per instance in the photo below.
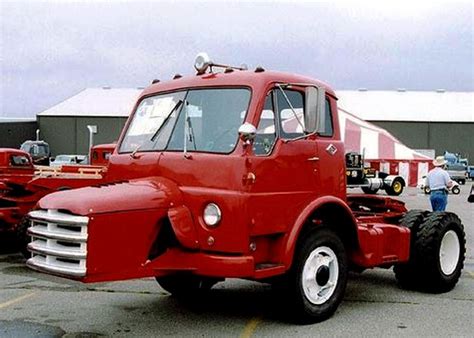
(22, 184)
(210, 180)
(370, 180)
(457, 167)
(39, 151)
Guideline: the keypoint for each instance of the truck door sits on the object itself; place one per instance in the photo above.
(332, 176)
(286, 173)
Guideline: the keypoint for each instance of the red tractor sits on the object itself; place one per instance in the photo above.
(239, 174)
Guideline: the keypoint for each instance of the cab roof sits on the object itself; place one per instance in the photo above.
(245, 78)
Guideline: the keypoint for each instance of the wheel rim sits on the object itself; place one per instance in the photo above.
(397, 187)
(449, 252)
(320, 275)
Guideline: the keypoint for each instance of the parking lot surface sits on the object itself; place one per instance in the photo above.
(34, 304)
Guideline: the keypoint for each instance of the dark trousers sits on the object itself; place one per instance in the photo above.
(439, 200)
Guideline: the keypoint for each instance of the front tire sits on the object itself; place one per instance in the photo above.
(369, 191)
(455, 190)
(396, 188)
(319, 276)
(184, 284)
(22, 238)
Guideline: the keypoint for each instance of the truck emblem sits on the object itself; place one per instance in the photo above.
(331, 149)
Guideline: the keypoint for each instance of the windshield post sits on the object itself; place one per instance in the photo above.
(186, 131)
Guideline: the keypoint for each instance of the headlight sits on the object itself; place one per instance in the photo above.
(212, 215)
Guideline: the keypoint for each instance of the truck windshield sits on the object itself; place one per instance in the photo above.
(213, 119)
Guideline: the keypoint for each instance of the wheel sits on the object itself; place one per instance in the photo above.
(22, 238)
(369, 191)
(407, 274)
(318, 277)
(184, 284)
(396, 188)
(427, 190)
(455, 190)
(441, 248)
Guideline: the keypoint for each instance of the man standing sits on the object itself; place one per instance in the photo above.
(439, 182)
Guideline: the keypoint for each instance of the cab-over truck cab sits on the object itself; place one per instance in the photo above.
(232, 174)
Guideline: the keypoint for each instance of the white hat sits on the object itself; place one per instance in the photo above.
(439, 161)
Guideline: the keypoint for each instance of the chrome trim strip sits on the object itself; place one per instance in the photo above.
(40, 264)
(46, 234)
(43, 249)
(54, 216)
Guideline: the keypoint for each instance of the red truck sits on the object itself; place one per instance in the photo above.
(210, 181)
(22, 184)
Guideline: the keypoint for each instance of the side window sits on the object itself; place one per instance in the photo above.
(266, 132)
(19, 161)
(328, 128)
(291, 120)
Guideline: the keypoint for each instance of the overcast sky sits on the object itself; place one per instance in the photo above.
(51, 51)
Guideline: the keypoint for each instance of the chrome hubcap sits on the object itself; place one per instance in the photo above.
(320, 275)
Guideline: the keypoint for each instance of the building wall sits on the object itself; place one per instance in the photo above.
(455, 137)
(13, 134)
(69, 135)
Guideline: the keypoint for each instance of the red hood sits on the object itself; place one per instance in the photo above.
(145, 193)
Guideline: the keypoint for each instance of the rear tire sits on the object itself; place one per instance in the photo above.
(318, 278)
(441, 249)
(407, 273)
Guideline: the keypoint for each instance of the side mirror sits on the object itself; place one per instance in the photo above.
(315, 105)
(247, 133)
(52, 159)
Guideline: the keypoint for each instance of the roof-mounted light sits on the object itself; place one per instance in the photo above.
(203, 62)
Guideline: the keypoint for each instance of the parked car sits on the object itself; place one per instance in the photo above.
(67, 159)
(426, 189)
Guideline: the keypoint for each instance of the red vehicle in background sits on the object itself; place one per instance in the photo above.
(22, 184)
(100, 154)
(210, 180)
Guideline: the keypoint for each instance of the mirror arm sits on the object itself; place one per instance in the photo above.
(300, 137)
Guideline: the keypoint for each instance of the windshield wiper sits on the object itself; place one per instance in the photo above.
(165, 121)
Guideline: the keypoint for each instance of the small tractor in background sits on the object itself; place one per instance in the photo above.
(368, 179)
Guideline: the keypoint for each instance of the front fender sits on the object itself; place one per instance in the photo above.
(139, 194)
(293, 235)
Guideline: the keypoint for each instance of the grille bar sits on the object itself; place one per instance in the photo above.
(52, 248)
(59, 242)
(44, 264)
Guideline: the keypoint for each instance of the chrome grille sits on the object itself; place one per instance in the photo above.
(59, 242)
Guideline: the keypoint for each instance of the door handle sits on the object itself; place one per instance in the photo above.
(313, 158)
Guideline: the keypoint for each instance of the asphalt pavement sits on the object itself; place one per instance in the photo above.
(34, 304)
